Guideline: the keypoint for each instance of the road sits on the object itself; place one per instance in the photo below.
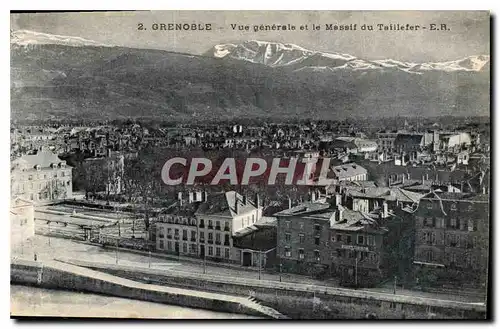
(49, 248)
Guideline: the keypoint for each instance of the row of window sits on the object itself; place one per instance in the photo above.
(28, 187)
(193, 249)
(176, 236)
(317, 227)
(288, 238)
(217, 225)
(452, 207)
(246, 221)
(302, 254)
(46, 176)
(361, 255)
(451, 240)
(452, 223)
(360, 239)
(452, 258)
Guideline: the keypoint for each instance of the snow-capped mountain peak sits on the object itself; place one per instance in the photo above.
(28, 38)
(271, 53)
(277, 54)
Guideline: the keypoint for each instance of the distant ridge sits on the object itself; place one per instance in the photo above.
(277, 54)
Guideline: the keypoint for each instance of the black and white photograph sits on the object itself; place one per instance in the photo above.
(239, 165)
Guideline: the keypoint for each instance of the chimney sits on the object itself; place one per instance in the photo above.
(423, 179)
(204, 196)
(257, 200)
(403, 180)
(338, 200)
(313, 196)
(236, 204)
(340, 214)
(179, 197)
(244, 199)
(289, 203)
(385, 210)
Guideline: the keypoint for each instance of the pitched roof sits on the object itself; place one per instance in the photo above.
(42, 158)
(459, 196)
(357, 221)
(386, 193)
(348, 170)
(304, 209)
(224, 204)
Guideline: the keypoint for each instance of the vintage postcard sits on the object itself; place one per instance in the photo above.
(250, 164)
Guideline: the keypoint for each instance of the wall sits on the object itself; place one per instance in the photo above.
(296, 300)
(33, 273)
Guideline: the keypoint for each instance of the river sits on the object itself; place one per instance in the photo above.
(32, 301)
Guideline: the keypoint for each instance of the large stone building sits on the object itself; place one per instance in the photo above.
(219, 218)
(204, 226)
(303, 235)
(358, 248)
(452, 238)
(385, 140)
(42, 177)
(348, 172)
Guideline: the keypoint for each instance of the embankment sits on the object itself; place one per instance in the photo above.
(56, 275)
(302, 301)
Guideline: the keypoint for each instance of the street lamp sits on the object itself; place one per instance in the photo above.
(204, 262)
(260, 263)
(395, 279)
(116, 251)
(356, 271)
(281, 270)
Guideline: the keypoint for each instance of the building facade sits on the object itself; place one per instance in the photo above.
(42, 177)
(204, 226)
(452, 234)
(302, 240)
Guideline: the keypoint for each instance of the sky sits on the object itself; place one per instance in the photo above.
(468, 34)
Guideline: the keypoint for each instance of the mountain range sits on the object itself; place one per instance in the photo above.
(292, 56)
(70, 77)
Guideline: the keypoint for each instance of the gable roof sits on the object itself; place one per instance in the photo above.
(42, 158)
(224, 204)
(386, 193)
(348, 170)
(357, 221)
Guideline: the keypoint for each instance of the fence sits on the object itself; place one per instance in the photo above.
(130, 243)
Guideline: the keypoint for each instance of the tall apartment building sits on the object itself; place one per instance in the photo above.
(219, 218)
(452, 238)
(358, 248)
(303, 235)
(41, 177)
(385, 140)
(204, 225)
